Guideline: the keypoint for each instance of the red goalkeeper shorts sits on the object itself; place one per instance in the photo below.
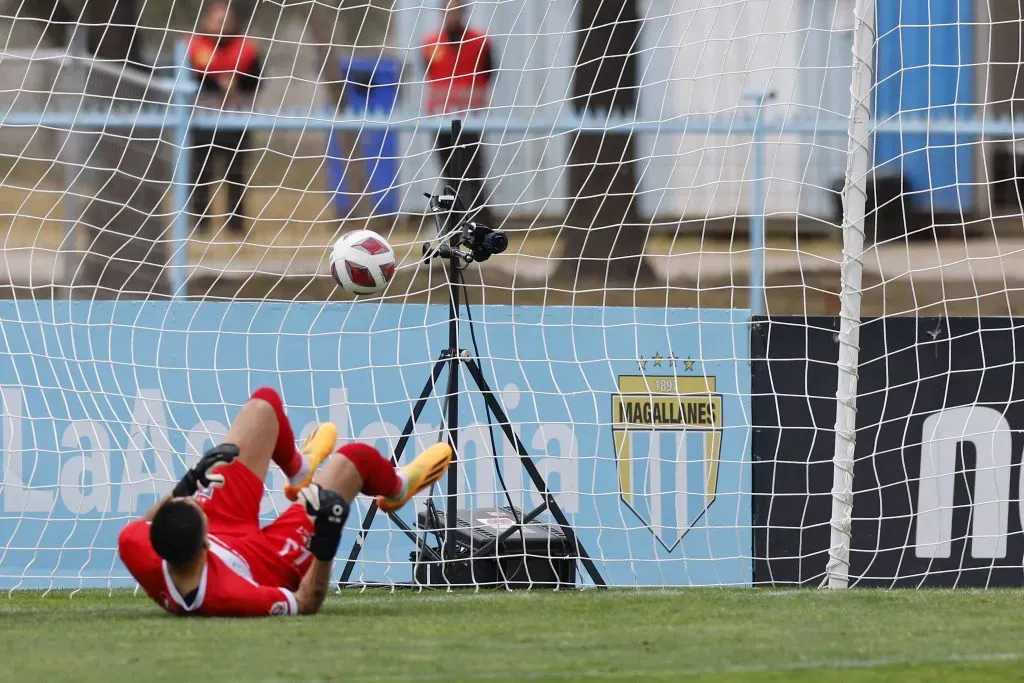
(276, 554)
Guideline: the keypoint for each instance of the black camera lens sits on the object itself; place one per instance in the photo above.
(495, 242)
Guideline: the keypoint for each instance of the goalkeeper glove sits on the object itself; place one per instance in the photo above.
(328, 510)
(203, 475)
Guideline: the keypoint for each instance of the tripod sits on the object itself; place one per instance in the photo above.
(466, 242)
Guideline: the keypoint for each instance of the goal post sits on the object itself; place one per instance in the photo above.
(854, 198)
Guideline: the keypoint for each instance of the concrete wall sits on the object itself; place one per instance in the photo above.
(703, 58)
(696, 57)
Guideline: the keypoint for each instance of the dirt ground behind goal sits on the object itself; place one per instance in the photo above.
(283, 257)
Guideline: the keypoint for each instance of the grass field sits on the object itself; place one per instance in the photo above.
(712, 635)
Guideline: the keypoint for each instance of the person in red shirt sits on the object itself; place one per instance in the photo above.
(460, 63)
(200, 550)
(228, 68)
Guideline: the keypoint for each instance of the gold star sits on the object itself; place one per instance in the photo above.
(642, 362)
(657, 359)
(672, 358)
(689, 363)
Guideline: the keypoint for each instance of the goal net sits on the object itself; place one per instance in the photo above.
(666, 172)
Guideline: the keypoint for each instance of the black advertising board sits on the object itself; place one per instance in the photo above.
(793, 387)
(940, 435)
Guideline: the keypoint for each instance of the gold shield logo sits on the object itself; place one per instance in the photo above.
(668, 440)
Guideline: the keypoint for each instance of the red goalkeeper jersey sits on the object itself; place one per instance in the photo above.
(226, 588)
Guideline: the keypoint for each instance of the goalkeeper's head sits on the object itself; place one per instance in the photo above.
(178, 531)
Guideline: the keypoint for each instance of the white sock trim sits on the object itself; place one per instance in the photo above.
(405, 484)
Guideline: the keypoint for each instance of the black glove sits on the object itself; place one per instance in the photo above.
(328, 510)
(203, 474)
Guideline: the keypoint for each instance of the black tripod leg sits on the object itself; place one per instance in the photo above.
(417, 408)
(403, 441)
(531, 469)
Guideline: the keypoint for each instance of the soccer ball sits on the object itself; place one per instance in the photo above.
(362, 262)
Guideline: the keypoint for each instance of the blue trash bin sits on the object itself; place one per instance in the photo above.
(371, 89)
(926, 66)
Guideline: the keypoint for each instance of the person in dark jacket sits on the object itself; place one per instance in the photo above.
(227, 66)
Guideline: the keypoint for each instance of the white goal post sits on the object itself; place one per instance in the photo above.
(754, 325)
(851, 282)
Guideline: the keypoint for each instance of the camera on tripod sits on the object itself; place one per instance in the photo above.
(471, 241)
(513, 548)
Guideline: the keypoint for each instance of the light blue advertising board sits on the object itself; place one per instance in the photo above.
(637, 418)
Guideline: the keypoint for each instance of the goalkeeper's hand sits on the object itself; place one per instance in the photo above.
(204, 475)
(328, 511)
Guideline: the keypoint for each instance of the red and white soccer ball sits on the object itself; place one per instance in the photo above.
(362, 262)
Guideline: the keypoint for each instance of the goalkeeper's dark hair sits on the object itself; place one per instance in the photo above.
(177, 532)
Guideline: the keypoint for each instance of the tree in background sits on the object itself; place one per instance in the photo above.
(605, 230)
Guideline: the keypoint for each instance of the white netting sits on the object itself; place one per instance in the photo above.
(607, 131)
(663, 169)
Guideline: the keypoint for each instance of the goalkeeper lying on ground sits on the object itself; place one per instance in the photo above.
(200, 550)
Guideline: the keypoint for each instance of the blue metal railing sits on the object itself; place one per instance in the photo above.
(156, 117)
(180, 116)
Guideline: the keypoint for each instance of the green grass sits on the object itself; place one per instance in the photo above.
(703, 635)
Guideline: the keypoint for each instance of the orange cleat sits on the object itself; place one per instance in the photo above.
(318, 446)
(425, 470)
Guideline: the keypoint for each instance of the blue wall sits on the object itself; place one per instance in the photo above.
(925, 52)
(105, 403)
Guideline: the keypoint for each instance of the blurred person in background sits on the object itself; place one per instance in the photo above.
(228, 67)
(460, 66)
